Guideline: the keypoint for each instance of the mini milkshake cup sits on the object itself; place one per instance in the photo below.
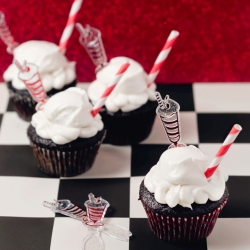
(96, 210)
(184, 193)
(168, 111)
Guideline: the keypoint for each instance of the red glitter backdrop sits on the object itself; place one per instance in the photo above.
(214, 41)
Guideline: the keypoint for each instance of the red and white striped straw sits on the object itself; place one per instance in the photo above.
(99, 104)
(223, 150)
(6, 35)
(162, 57)
(70, 25)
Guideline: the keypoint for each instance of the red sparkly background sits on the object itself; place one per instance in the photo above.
(214, 41)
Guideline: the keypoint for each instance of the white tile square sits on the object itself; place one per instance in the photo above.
(230, 234)
(157, 135)
(235, 162)
(111, 162)
(189, 131)
(4, 99)
(136, 208)
(221, 97)
(24, 196)
(69, 234)
(13, 130)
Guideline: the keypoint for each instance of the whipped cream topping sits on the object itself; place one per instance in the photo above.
(131, 92)
(178, 178)
(54, 68)
(66, 116)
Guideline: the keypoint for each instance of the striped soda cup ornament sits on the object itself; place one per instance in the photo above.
(168, 111)
(91, 39)
(30, 76)
(96, 210)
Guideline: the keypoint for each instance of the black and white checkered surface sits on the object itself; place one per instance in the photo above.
(208, 111)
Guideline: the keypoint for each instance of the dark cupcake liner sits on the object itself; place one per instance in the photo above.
(24, 104)
(66, 161)
(130, 127)
(179, 228)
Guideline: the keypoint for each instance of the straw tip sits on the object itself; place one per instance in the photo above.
(238, 127)
(175, 32)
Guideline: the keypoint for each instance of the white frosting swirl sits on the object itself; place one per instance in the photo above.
(66, 116)
(178, 178)
(54, 68)
(131, 92)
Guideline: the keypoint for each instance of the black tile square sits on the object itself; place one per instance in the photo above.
(143, 238)
(25, 233)
(215, 127)
(115, 191)
(181, 93)
(144, 157)
(238, 205)
(10, 106)
(18, 160)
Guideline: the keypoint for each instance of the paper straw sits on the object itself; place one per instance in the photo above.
(99, 104)
(162, 57)
(70, 25)
(5, 34)
(20, 67)
(223, 150)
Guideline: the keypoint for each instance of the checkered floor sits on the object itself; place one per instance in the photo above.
(208, 111)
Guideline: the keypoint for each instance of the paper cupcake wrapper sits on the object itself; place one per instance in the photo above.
(130, 128)
(24, 104)
(65, 163)
(178, 229)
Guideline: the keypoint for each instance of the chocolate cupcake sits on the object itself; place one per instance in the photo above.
(180, 202)
(129, 111)
(56, 72)
(64, 136)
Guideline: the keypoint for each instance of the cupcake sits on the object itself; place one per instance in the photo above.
(180, 202)
(129, 112)
(64, 136)
(56, 72)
